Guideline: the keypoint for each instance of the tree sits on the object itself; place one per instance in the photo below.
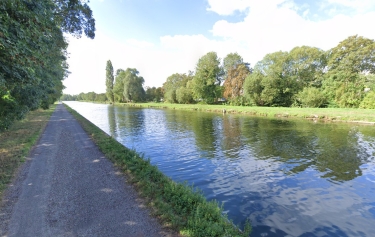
(75, 16)
(369, 101)
(276, 84)
(253, 88)
(154, 94)
(133, 86)
(307, 66)
(280, 76)
(207, 79)
(235, 73)
(184, 95)
(311, 97)
(173, 83)
(118, 87)
(33, 53)
(355, 54)
(348, 64)
(109, 81)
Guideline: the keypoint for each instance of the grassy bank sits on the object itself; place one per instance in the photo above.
(177, 205)
(323, 114)
(16, 142)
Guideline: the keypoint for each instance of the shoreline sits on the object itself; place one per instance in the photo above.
(328, 115)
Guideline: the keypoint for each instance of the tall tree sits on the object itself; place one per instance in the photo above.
(33, 53)
(235, 73)
(207, 79)
(109, 81)
(118, 87)
(348, 64)
(133, 86)
(173, 83)
(307, 66)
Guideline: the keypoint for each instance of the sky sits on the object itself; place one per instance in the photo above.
(163, 37)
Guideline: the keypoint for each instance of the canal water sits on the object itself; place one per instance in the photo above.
(288, 177)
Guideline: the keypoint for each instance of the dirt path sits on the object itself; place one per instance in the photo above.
(68, 188)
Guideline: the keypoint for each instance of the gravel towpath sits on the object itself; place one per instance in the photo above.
(68, 188)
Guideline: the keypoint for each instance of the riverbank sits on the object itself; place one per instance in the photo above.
(68, 187)
(17, 141)
(363, 116)
(177, 205)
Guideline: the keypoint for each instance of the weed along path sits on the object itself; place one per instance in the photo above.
(68, 188)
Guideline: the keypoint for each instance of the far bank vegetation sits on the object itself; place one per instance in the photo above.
(305, 77)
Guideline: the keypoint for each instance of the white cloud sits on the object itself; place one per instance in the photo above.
(358, 5)
(281, 28)
(225, 7)
(269, 26)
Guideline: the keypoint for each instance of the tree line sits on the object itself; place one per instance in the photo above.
(342, 77)
(33, 52)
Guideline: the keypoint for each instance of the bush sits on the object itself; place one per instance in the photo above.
(311, 97)
(369, 101)
(184, 95)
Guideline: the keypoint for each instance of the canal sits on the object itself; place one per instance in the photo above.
(288, 177)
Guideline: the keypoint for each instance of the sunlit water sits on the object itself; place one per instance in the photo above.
(288, 177)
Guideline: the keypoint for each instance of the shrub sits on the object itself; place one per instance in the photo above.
(369, 101)
(311, 97)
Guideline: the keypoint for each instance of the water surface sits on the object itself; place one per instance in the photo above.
(288, 177)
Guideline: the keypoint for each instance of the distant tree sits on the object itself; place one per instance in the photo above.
(207, 79)
(118, 87)
(109, 81)
(102, 97)
(133, 86)
(348, 64)
(276, 84)
(253, 89)
(235, 73)
(355, 54)
(153, 94)
(184, 95)
(369, 101)
(311, 97)
(232, 60)
(173, 83)
(307, 66)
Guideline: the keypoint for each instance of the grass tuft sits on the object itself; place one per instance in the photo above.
(177, 205)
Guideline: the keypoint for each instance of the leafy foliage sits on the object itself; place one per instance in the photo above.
(233, 85)
(184, 95)
(109, 81)
(154, 94)
(311, 97)
(33, 54)
(369, 101)
(75, 16)
(133, 86)
(173, 83)
(207, 79)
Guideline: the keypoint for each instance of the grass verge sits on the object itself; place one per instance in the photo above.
(323, 114)
(17, 141)
(177, 205)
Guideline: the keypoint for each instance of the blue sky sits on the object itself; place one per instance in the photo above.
(162, 37)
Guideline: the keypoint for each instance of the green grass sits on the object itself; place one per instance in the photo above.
(323, 114)
(177, 205)
(17, 141)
